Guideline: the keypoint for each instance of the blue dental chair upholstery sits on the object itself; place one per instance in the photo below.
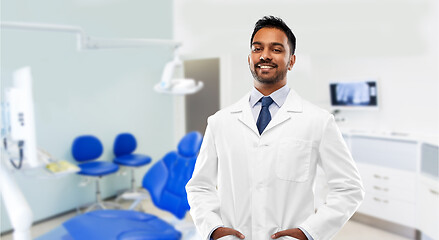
(119, 225)
(166, 181)
(86, 149)
(123, 148)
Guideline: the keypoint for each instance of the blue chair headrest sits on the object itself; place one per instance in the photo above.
(124, 144)
(190, 144)
(86, 147)
(166, 181)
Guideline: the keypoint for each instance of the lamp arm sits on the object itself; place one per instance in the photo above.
(86, 42)
(168, 73)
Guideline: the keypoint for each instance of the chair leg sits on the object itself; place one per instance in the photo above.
(134, 204)
(133, 181)
(94, 206)
(133, 193)
(98, 191)
(100, 204)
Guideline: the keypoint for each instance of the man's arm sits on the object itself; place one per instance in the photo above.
(345, 188)
(296, 233)
(201, 189)
(224, 231)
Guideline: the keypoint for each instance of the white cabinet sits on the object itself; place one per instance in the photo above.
(388, 169)
(428, 193)
(401, 179)
(428, 207)
(391, 153)
(390, 194)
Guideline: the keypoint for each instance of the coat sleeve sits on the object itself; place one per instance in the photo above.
(345, 187)
(201, 188)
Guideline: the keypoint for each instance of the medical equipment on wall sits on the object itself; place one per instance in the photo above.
(20, 153)
(18, 132)
(354, 94)
(19, 102)
(168, 84)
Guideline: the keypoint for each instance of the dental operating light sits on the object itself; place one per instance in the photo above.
(168, 84)
(177, 86)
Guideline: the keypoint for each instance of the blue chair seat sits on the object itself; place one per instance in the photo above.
(132, 160)
(120, 225)
(97, 168)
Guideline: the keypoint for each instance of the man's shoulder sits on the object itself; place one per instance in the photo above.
(313, 108)
(233, 108)
(308, 108)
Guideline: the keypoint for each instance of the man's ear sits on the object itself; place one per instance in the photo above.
(292, 61)
(248, 59)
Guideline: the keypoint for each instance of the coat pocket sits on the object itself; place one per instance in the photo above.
(293, 160)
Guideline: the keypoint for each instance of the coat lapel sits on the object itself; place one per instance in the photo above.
(242, 108)
(293, 103)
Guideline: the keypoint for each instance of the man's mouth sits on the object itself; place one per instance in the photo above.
(266, 66)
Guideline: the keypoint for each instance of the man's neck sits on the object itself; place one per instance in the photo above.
(267, 89)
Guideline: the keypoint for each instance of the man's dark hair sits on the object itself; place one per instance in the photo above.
(275, 22)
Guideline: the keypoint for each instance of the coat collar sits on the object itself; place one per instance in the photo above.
(293, 103)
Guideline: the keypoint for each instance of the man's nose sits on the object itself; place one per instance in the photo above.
(265, 55)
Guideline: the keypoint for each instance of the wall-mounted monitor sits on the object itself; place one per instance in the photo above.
(362, 94)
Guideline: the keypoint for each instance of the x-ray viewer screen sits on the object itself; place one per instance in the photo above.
(354, 94)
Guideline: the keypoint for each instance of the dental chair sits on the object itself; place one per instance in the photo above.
(166, 181)
(124, 146)
(86, 149)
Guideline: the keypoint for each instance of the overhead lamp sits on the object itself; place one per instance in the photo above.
(176, 85)
(168, 84)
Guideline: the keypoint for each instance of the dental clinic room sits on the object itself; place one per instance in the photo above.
(229, 120)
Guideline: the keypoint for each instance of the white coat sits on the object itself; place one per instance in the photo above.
(262, 184)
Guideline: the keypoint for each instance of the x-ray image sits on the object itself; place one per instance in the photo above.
(353, 94)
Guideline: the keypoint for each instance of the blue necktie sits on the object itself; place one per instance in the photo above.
(264, 115)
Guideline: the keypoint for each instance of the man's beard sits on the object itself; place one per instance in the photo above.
(276, 78)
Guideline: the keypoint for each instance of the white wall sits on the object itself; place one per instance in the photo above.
(99, 92)
(395, 41)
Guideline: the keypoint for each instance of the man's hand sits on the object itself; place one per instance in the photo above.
(223, 231)
(294, 232)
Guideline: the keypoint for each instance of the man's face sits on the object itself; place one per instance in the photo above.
(270, 57)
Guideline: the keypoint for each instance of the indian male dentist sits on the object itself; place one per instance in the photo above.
(257, 165)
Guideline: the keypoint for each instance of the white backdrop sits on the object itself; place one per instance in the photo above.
(395, 41)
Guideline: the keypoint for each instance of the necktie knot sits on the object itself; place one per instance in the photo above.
(266, 101)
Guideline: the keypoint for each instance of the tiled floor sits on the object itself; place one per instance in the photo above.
(351, 231)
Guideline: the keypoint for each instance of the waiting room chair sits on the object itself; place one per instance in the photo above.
(86, 149)
(166, 181)
(124, 146)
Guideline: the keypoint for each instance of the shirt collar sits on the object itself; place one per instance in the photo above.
(279, 96)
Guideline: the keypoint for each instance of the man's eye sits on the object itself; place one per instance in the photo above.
(277, 50)
(256, 49)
